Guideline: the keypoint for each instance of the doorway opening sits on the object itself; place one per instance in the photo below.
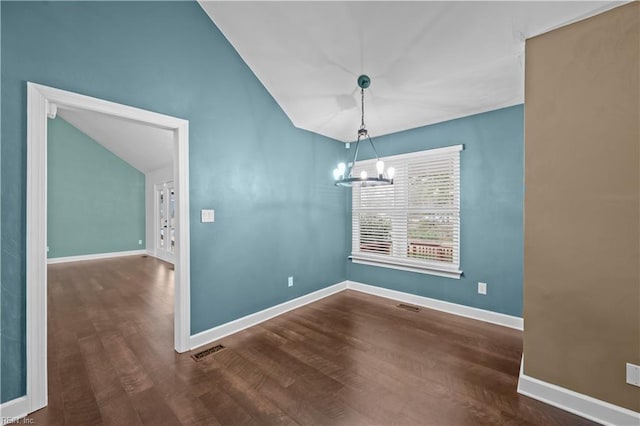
(42, 103)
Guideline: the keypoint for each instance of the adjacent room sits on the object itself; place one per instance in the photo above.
(320, 213)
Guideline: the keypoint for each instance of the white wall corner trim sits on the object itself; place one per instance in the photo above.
(95, 256)
(576, 403)
(226, 329)
(12, 411)
(439, 305)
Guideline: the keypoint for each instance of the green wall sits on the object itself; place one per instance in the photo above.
(95, 199)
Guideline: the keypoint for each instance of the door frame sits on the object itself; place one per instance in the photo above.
(42, 103)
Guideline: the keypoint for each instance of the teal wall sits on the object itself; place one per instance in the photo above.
(1, 255)
(491, 211)
(277, 211)
(96, 201)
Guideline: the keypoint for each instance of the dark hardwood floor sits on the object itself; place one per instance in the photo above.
(349, 359)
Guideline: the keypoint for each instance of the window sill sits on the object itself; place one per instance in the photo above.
(407, 266)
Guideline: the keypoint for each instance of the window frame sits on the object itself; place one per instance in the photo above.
(406, 263)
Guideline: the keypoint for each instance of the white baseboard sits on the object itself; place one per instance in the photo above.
(576, 403)
(439, 305)
(164, 259)
(95, 256)
(224, 330)
(217, 333)
(13, 410)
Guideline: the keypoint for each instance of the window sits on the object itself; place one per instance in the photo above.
(413, 224)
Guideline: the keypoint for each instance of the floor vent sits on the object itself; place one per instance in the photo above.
(409, 307)
(207, 352)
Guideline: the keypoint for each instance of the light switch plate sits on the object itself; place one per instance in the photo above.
(207, 215)
(633, 374)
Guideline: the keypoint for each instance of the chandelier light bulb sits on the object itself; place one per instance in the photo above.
(341, 168)
(336, 174)
(391, 172)
(380, 167)
(363, 174)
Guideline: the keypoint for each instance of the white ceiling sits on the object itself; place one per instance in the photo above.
(144, 147)
(428, 61)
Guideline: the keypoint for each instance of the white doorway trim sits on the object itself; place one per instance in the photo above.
(42, 102)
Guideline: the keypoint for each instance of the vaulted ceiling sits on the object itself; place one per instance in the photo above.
(428, 61)
(144, 147)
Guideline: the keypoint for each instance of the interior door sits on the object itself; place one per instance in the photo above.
(170, 194)
(165, 245)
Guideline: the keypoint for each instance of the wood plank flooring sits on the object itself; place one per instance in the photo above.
(349, 359)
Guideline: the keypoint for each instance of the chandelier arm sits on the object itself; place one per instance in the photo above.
(372, 146)
(355, 155)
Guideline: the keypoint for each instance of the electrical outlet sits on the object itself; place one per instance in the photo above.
(482, 288)
(139, 242)
(290, 282)
(633, 374)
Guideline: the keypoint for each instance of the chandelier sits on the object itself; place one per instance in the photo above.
(343, 174)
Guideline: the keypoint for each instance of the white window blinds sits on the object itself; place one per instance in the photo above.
(413, 224)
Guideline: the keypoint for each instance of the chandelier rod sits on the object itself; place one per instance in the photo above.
(363, 127)
(361, 132)
(362, 104)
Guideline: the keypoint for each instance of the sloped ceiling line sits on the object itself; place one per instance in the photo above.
(144, 147)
